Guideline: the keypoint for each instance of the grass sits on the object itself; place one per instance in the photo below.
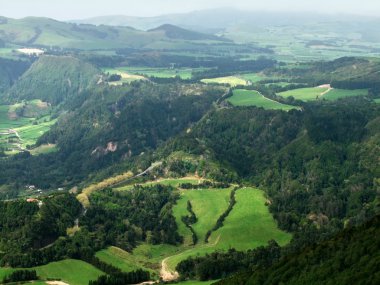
(304, 94)
(336, 94)
(120, 259)
(71, 271)
(207, 205)
(233, 81)
(377, 100)
(193, 282)
(249, 225)
(125, 77)
(169, 182)
(253, 98)
(8, 123)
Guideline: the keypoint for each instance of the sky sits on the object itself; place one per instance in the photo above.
(80, 9)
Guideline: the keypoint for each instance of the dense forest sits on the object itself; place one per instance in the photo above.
(351, 257)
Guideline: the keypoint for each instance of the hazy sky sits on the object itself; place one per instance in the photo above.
(76, 9)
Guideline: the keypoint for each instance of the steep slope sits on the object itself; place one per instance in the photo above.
(352, 257)
(10, 71)
(53, 79)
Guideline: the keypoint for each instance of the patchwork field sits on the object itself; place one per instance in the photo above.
(18, 132)
(253, 98)
(71, 271)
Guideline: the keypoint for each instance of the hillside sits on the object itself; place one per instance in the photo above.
(49, 33)
(174, 32)
(10, 71)
(350, 257)
(54, 79)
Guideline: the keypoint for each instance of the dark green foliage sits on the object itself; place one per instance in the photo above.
(135, 119)
(114, 77)
(10, 71)
(352, 257)
(25, 228)
(122, 278)
(21, 275)
(54, 79)
(142, 214)
(221, 264)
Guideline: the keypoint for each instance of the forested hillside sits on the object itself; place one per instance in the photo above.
(10, 71)
(350, 257)
(54, 79)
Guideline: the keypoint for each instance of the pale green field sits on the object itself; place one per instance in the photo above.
(7, 123)
(377, 101)
(233, 81)
(336, 94)
(253, 98)
(305, 94)
(71, 271)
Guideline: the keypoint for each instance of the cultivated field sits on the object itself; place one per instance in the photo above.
(233, 81)
(253, 98)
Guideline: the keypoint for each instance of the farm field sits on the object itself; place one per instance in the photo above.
(243, 97)
(7, 123)
(233, 81)
(377, 101)
(125, 77)
(184, 73)
(71, 271)
(305, 94)
(335, 94)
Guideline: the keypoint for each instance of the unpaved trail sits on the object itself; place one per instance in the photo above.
(167, 275)
(56, 283)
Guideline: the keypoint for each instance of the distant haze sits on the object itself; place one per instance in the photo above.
(79, 9)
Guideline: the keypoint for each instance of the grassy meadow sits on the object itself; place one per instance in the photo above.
(335, 94)
(304, 94)
(253, 98)
(71, 271)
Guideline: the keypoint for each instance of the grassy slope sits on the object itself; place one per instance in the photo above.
(249, 225)
(253, 98)
(6, 123)
(304, 94)
(74, 272)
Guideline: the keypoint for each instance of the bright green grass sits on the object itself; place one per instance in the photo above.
(377, 100)
(304, 94)
(120, 259)
(249, 225)
(233, 81)
(253, 98)
(335, 94)
(71, 271)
